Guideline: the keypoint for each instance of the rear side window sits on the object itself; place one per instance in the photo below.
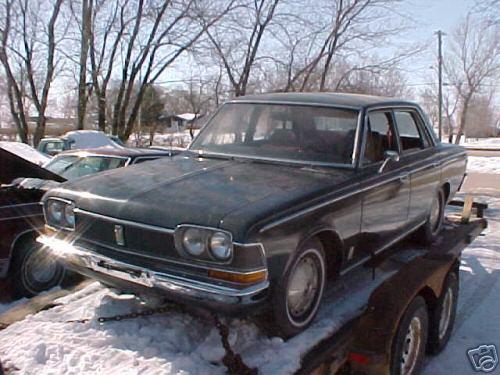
(142, 160)
(411, 135)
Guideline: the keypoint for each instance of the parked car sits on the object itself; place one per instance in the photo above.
(276, 194)
(78, 140)
(26, 267)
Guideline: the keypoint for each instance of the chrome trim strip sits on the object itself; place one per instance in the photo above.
(125, 222)
(389, 244)
(20, 205)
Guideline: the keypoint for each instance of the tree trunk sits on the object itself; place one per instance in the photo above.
(39, 131)
(101, 111)
(84, 50)
(463, 119)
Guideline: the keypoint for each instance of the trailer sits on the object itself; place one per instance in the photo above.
(379, 319)
(415, 306)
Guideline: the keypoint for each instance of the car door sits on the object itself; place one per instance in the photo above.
(424, 168)
(386, 193)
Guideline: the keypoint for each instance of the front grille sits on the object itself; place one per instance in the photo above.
(135, 239)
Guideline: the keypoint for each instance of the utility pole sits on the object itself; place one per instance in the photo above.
(440, 82)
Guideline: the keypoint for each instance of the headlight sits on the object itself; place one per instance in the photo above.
(60, 213)
(69, 215)
(55, 211)
(220, 245)
(194, 241)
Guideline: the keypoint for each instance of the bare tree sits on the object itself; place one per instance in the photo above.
(474, 62)
(237, 41)
(23, 48)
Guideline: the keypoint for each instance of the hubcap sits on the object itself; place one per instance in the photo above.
(411, 346)
(445, 317)
(303, 286)
(40, 268)
(435, 213)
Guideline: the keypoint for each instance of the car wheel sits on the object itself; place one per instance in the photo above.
(434, 223)
(33, 270)
(442, 318)
(408, 347)
(299, 292)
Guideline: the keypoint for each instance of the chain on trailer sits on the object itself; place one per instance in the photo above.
(233, 361)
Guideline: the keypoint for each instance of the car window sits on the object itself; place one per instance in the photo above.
(410, 135)
(72, 166)
(280, 131)
(52, 146)
(379, 136)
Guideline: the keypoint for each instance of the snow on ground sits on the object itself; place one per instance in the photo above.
(483, 164)
(172, 343)
(493, 143)
(479, 301)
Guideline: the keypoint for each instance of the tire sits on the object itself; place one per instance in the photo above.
(408, 347)
(430, 230)
(33, 270)
(442, 318)
(293, 312)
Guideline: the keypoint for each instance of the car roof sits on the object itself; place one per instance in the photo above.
(122, 151)
(354, 101)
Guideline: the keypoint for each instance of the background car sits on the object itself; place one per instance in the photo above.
(78, 140)
(29, 270)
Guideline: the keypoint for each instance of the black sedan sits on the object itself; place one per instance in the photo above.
(276, 194)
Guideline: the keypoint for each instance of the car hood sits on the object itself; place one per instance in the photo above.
(187, 189)
(14, 166)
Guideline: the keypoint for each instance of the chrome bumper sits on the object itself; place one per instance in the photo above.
(77, 257)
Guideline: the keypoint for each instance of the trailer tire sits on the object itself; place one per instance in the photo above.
(291, 314)
(432, 227)
(442, 318)
(408, 346)
(27, 278)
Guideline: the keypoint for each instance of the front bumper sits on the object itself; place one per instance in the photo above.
(138, 279)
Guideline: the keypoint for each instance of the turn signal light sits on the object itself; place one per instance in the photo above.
(243, 278)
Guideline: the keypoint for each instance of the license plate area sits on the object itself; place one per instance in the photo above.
(124, 273)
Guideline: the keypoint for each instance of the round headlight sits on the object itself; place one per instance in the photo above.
(193, 241)
(220, 245)
(55, 210)
(69, 215)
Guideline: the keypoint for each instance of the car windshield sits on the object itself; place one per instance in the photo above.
(282, 132)
(73, 166)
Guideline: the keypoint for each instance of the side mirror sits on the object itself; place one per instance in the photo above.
(388, 156)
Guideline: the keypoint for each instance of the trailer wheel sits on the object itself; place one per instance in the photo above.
(299, 292)
(430, 230)
(33, 271)
(408, 347)
(443, 317)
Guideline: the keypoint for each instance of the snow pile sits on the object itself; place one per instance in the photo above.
(483, 164)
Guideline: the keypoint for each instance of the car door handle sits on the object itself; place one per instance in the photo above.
(404, 177)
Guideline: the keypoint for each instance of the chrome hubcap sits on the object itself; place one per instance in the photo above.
(445, 317)
(411, 346)
(303, 286)
(40, 267)
(435, 213)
